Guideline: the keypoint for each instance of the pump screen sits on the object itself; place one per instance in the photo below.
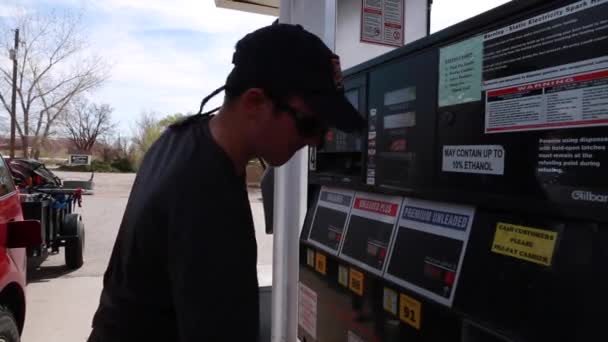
(338, 141)
(426, 260)
(367, 241)
(330, 218)
(327, 227)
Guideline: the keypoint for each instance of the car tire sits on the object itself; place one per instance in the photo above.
(74, 247)
(9, 332)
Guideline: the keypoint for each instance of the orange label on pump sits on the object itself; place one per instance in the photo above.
(409, 311)
(356, 281)
(321, 263)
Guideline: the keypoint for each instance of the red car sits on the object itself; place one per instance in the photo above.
(15, 235)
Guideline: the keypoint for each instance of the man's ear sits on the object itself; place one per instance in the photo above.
(255, 101)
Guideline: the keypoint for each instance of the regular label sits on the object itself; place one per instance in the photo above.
(390, 300)
(570, 155)
(409, 311)
(343, 276)
(460, 67)
(525, 243)
(321, 263)
(356, 281)
(382, 22)
(307, 310)
(478, 159)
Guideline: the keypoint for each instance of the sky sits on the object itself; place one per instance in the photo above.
(166, 55)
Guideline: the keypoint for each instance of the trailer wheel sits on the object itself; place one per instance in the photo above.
(74, 247)
(8, 327)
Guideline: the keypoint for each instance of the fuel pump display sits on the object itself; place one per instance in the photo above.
(370, 230)
(429, 248)
(330, 218)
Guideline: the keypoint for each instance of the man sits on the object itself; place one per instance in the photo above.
(184, 264)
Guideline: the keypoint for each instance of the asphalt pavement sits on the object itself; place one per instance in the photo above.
(61, 303)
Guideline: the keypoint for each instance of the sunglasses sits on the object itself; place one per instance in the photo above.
(308, 126)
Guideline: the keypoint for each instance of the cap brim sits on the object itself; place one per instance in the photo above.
(336, 111)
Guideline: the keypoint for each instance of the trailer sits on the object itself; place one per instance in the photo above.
(44, 198)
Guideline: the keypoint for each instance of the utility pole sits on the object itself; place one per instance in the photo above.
(14, 95)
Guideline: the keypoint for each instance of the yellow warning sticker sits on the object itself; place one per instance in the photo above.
(525, 243)
(356, 279)
(389, 301)
(321, 263)
(343, 275)
(409, 311)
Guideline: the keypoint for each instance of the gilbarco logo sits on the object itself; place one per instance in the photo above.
(589, 196)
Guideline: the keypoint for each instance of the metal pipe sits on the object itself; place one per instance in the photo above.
(286, 219)
(14, 95)
(290, 193)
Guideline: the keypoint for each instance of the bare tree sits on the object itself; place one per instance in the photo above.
(86, 122)
(54, 66)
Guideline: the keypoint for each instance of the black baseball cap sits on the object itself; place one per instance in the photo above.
(287, 60)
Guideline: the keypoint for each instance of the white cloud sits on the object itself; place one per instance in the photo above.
(166, 55)
(445, 13)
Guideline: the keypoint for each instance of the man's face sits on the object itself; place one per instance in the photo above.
(278, 137)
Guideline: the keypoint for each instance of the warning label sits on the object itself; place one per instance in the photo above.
(569, 155)
(382, 22)
(549, 71)
(307, 310)
(480, 159)
(567, 102)
(525, 243)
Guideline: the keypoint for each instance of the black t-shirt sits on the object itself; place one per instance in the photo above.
(183, 266)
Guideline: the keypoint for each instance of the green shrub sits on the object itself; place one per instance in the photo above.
(100, 166)
(116, 165)
(123, 165)
(74, 168)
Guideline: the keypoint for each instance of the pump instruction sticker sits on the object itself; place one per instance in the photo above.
(331, 213)
(429, 248)
(307, 310)
(549, 71)
(460, 67)
(479, 159)
(525, 243)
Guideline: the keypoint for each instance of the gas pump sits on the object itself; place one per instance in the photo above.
(475, 206)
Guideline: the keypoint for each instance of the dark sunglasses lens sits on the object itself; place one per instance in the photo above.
(310, 127)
